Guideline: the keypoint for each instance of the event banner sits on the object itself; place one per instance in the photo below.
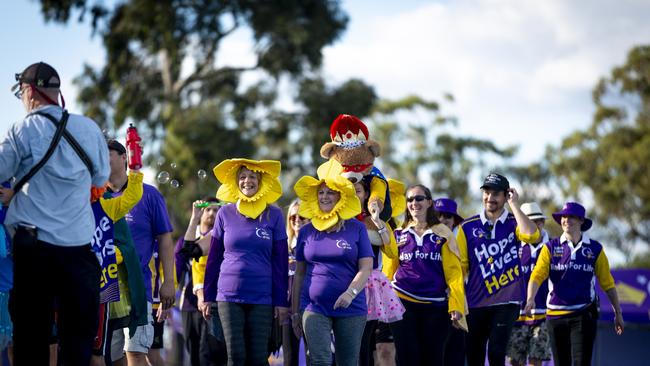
(633, 287)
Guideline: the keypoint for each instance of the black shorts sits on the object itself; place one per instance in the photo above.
(158, 330)
(383, 333)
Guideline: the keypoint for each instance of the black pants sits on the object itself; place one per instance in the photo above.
(572, 337)
(421, 334)
(247, 329)
(203, 348)
(489, 326)
(455, 348)
(46, 276)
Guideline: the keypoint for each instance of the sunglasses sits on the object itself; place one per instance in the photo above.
(294, 217)
(445, 215)
(417, 198)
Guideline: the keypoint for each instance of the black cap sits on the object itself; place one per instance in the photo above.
(116, 146)
(40, 75)
(496, 181)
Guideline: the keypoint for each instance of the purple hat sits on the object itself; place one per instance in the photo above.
(573, 209)
(447, 205)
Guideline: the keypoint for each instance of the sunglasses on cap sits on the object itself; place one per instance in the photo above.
(417, 198)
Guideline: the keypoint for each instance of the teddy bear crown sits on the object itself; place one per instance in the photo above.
(348, 131)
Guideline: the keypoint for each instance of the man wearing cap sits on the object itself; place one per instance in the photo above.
(53, 222)
(572, 263)
(489, 249)
(149, 223)
(529, 343)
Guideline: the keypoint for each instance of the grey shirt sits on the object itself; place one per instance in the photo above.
(57, 199)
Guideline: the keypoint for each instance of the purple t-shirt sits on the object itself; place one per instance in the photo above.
(146, 221)
(248, 259)
(332, 262)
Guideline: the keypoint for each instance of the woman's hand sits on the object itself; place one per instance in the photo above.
(455, 319)
(281, 313)
(296, 324)
(619, 324)
(344, 300)
(197, 211)
(162, 314)
(204, 307)
(373, 209)
(530, 305)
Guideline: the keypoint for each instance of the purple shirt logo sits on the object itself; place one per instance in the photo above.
(342, 244)
(478, 232)
(262, 233)
(587, 253)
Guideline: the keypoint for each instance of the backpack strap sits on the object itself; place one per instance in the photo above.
(60, 127)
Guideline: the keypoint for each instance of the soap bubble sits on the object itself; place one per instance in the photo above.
(202, 174)
(174, 183)
(163, 177)
(173, 165)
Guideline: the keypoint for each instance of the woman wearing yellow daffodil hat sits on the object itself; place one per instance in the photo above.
(333, 262)
(247, 268)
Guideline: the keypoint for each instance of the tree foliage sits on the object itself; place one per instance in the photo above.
(607, 163)
(610, 158)
(420, 144)
(161, 74)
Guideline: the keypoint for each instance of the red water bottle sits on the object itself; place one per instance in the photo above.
(133, 148)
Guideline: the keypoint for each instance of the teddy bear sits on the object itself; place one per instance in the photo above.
(356, 152)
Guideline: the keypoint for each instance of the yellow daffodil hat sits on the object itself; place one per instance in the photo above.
(269, 189)
(307, 187)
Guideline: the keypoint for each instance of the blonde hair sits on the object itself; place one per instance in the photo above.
(291, 233)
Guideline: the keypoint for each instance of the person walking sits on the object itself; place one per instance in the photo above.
(489, 246)
(572, 263)
(52, 220)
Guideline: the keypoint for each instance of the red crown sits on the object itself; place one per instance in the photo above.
(348, 131)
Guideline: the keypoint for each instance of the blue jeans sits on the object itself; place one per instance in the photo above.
(347, 338)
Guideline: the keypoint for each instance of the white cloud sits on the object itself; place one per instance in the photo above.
(515, 67)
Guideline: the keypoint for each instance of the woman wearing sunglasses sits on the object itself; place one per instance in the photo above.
(429, 281)
(291, 343)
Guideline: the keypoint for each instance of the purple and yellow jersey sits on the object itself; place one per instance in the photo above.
(106, 211)
(489, 256)
(528, 257)
(429, 268)
(572, 270)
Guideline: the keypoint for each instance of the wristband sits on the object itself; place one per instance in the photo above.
(353, 291)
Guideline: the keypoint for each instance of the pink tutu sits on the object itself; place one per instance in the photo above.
(383, 303)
